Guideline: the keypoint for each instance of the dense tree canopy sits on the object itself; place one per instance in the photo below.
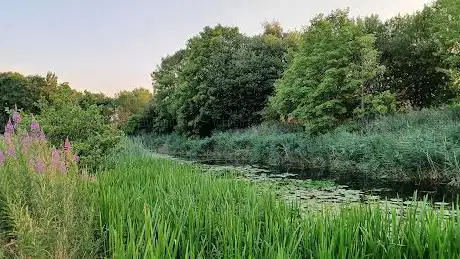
(129, 103)
(221, 80)
(24, 92)
(327, 78)
(414, 68)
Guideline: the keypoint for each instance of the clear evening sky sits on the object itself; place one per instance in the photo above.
(111, 45)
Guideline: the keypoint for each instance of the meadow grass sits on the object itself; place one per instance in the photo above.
(420, 146)
(156, 208)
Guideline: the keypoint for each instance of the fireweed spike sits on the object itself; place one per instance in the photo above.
(2, 158)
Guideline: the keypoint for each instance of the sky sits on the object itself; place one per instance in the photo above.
(112, 45)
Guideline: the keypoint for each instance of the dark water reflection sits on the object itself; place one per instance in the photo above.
(385, 189)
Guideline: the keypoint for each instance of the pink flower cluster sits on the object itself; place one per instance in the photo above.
(33, 146)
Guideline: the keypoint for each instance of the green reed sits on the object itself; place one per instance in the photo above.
(156, 208)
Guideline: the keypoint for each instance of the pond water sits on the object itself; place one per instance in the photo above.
(312, 189)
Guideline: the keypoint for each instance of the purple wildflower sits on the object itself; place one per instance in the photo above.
(40, 166)
(9, 130)
(67, 146)
(41, 136)
(76, 158)
(8, 138)
(9, 127)
(2, 158)
(62, 168)
(56, 161)
(11, 151)
(35, 127)
(55, 157)
(16, 118)
(26, 142)
(36, 132)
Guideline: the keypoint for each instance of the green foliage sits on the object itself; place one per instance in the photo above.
(30, 93)
(328, 75)
(446, 29)
(16, 89)
(418, 146)
(130, 103)
(92, 136)
(415, 71)
(221, 81)
(131, 127)
(373, 105)
(105, 103)
(160, 114)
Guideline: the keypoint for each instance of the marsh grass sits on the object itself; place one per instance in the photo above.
(156, 208)
(419, 146)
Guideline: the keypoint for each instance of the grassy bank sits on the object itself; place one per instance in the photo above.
(154, 208)
(417, 146)
(144, 206)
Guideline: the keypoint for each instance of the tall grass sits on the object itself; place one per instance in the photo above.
(156, 208)
(46, 207)
(417, 146)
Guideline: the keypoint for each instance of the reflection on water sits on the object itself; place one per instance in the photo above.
(308, 185)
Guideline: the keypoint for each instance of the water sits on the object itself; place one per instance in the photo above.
(316, 188)
(344, 189)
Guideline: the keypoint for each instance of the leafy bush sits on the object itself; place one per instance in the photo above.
(92, 136)
(132, 126)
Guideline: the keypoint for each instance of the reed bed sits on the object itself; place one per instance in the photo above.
(156, 208)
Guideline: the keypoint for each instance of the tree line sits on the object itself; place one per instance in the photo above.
(34, 93)
(337, 70)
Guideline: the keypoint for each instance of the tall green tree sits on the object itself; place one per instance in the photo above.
(205, 65)
(21, 91)
(225, 79)
(327, 79)
(445, 26)
(446, 29)
(161, 113)
(130, 103)
(415, 70)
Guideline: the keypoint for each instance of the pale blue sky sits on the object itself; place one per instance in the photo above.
(110, 45)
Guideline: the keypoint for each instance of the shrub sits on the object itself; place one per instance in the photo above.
(132, 126)
(92, 136)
